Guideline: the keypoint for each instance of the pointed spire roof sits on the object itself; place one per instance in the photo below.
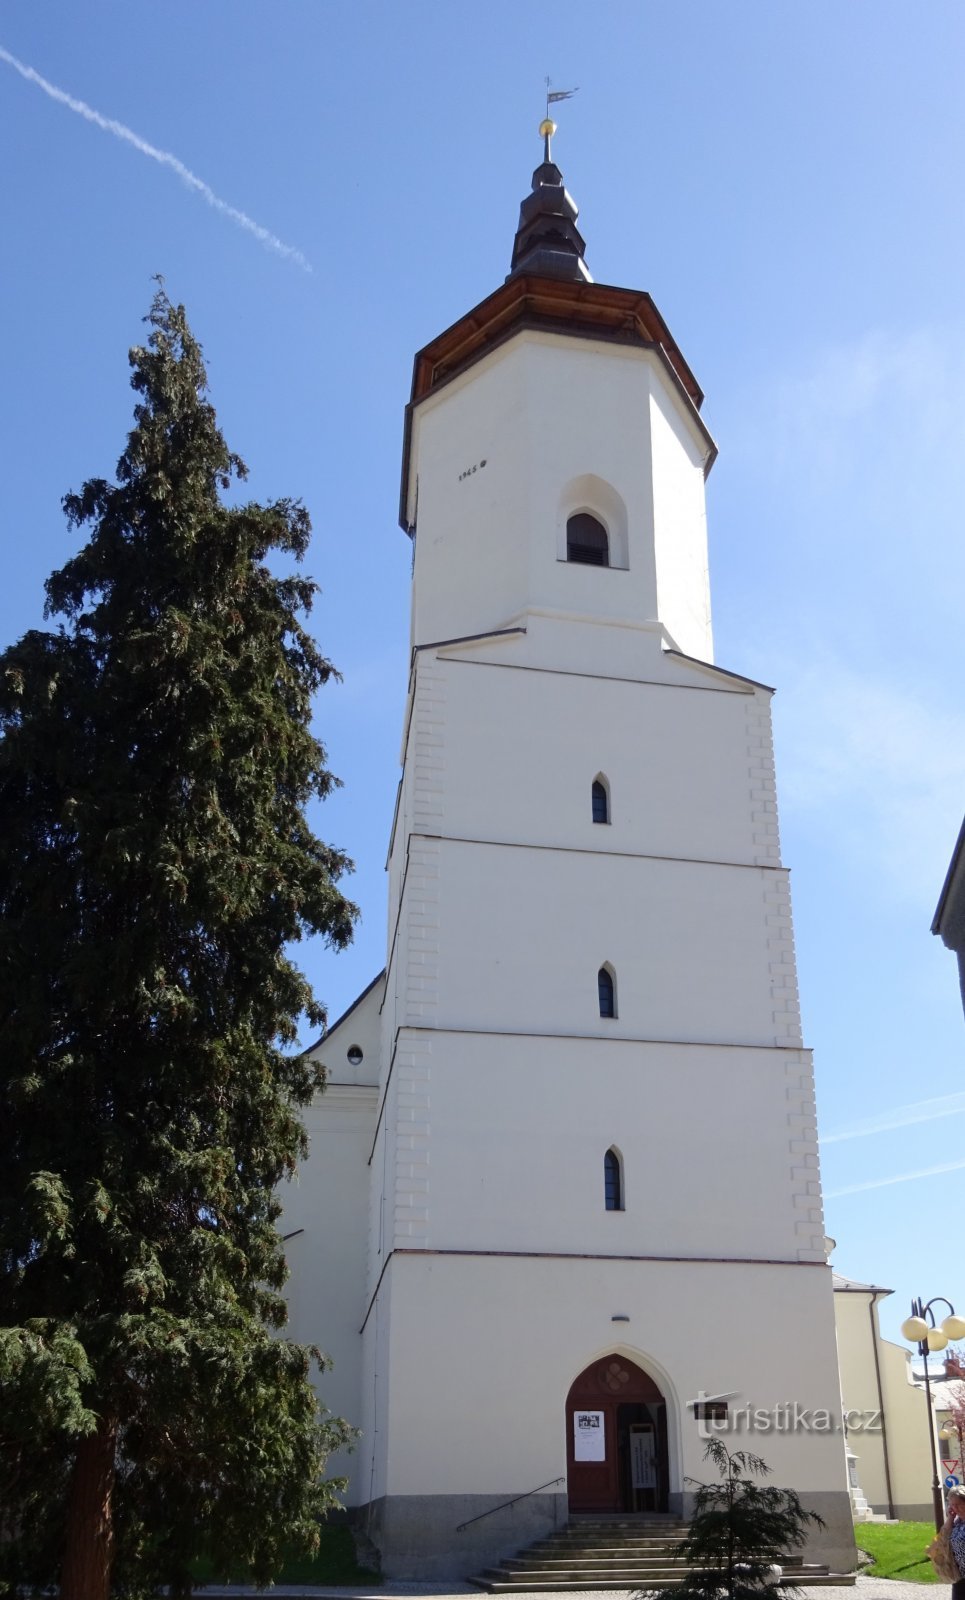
(549, 290)
(548, 243)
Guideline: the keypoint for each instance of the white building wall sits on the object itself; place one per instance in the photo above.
(520, 1127)
(368, 1483)
(541, 427)
(679, 523)
(493, 1268)
(378, 1241)
(680, 937)
(467, 1435)
(681, 892)
(326, 1210)
(891, 1419)
(666, 750)
(547, 1319)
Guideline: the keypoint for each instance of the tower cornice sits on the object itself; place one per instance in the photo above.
(582, 310)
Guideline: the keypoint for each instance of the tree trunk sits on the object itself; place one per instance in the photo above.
(89, 1548)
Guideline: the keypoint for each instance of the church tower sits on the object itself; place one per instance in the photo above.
(563, 1216)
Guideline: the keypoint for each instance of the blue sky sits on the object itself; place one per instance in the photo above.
(785, 181)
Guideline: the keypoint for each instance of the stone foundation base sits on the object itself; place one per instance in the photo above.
(834, 1543)
(923, 1511)
(418, 1540)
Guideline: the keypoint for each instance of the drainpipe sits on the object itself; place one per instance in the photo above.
(881, 1403)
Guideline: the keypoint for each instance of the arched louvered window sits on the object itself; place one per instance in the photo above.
(605, 987)
(600, 798)
(612, 1181)
(587, 541)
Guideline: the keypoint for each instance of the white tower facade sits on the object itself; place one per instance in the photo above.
(573, 1180)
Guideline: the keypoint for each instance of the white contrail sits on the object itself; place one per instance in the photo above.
(945, 1105)
(164, 157)
(902, 1177)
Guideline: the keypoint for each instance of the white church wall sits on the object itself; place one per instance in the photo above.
(541, 412)
(349, 1051)
(547, 1320)
(677, 1115)
(470, 557)
(689, 944)
(379, 1242)
(680, 523)
(567, 639)
(589, 420)
(368, 1480)
(495, 1273)
(326, 1208)
(677, 760)
(454, 1438)
(326, 1288)
(395, 859)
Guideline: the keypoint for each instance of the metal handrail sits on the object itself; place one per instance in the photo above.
(493, 1509)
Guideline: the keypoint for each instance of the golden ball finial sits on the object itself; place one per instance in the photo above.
(547, 128)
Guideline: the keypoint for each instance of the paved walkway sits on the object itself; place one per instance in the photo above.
(898, 1589)
(864, 1589)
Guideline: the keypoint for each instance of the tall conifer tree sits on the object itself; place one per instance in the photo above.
(156, 760)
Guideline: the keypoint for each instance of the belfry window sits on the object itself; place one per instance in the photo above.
(612, 1182)
(587, 541)
(600, 800)
(604, 980)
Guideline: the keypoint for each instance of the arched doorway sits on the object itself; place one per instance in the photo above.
(616, 1440)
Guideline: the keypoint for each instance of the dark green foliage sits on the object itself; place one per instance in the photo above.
(740, 1527)
(156, 759)
(335, 1562)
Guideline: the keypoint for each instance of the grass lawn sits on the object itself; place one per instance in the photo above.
(898, 1550)
(333, 1563)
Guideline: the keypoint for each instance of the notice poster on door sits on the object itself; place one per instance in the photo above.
(643, 1460)
(589, 1441)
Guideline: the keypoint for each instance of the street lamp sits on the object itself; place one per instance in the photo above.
(920, 1329)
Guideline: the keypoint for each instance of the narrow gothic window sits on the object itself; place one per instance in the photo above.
(601, 802)
(586, 541)
(612, 1186)
(605, 985)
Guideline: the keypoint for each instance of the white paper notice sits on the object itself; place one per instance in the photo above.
(643, 1464)
(589, 1441)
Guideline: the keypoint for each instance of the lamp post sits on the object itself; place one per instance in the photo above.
(920, 1329)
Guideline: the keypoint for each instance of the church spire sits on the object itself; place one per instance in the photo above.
(548, 243)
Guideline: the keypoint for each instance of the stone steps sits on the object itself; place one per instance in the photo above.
(553, 1585)
(579, 1541)
(509, 1580)
(616, 1553)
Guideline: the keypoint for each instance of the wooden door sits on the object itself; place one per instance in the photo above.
(598, 1407)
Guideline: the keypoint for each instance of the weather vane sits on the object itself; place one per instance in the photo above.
(548, 127)
(552, 95)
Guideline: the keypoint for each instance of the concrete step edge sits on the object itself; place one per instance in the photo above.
(630, 1577)
(833, 1580)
